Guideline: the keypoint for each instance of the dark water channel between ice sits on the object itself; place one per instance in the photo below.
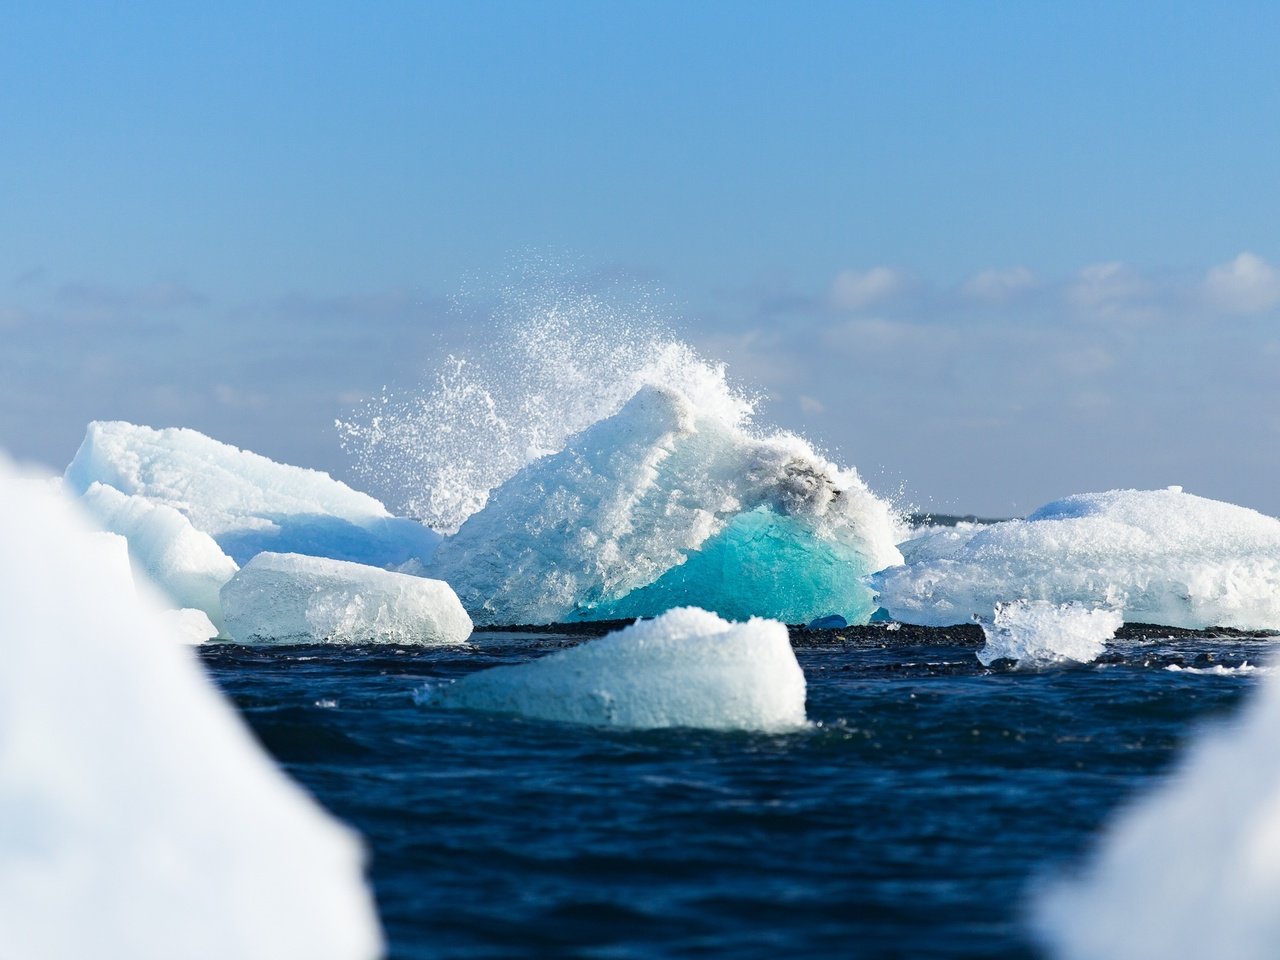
(909, 822)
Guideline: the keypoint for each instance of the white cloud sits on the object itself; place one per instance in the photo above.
(1112, 291)
(853, 289)
(1248, 284)
(998, 285)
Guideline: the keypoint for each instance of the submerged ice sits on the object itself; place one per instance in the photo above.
(672, 501)
(287, 598)
(687, 668)
(1039, 633)
(244, 501)
(1159, 556)
(140, 818)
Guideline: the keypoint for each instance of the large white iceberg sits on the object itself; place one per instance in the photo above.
(139, 819)
(687, 668)
(185, 563)
(1160, 556)
(246, 502)
(1039, 633)
(288, 598)
(1192, 870)
(667, 503)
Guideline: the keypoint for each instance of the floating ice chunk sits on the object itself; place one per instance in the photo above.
(1038, 633)
(288, 598)
(246, 502)
(687, 668)
(138, 817)
(189, 626)
(1192, 870)
(185, 563)
(1162, 556)
(109, 554)
(832, 621)
(667, 504)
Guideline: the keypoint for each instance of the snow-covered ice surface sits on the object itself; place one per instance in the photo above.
(1039, 633)
(245, 501)
(1160, 556)
(185, 563)
(686, 668)
(289, 598)
(1192, 870)
(669, 502)
(139, 820)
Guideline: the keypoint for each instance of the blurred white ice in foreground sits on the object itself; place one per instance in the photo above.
(139, 820)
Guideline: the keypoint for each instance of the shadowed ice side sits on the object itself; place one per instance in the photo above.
(687, 668)
(140, 820)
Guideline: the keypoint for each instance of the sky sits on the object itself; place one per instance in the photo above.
(989, 253)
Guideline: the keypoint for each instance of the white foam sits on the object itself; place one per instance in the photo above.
(138, 817)
(185, 563)
(246, 502)
(1038, 633)
(1219, 670)
(669, 503)
(687, 668)
(1162, 556)
(288, 598)
(1192, 870)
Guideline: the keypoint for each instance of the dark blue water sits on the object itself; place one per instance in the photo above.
(909, 822)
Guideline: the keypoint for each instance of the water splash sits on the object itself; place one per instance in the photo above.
(562, 355)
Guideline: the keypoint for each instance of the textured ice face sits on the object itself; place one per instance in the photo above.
(138, 817)
(1038, 633)
(1192, 870)
(246, 502)
(687, 668)
(186, 564)
(666, 504)
(288, 598)
(1160, 556)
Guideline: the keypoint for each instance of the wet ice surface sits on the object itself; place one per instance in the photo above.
(911, 820)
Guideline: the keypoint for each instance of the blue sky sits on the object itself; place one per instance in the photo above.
(989, 253)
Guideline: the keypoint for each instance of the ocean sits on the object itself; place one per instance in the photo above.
(913, 818)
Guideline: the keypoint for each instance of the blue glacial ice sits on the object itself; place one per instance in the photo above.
(246, 502)
(673, 501)
(289, 598)
(1159, 556)
(687, 668)
(140, 817)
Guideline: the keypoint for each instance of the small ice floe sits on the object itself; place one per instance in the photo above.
(244, 501)
(1192, 869)
(189, 626)
(1219, 670)
(686, 668)
(140, 819)
(1038, 633)
(1161, 556)
(832, 621)
(288, 598)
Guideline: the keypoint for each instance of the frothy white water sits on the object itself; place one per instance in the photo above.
(561, 358)
(1038, 633)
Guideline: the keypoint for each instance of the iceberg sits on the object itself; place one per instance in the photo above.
(1038, 633)
(1192, 870)
(140, 818)
(189, 626)
(185, 563)
(687, 668)
(288, 598)
(246, 502)
(1159, 556)
(671, 503)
